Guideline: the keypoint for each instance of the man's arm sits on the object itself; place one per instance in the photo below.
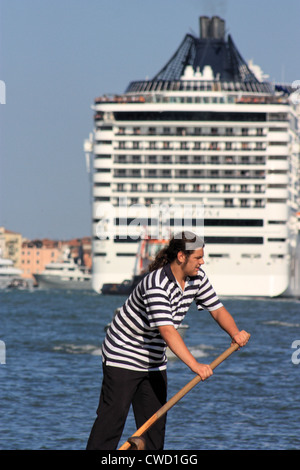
(178, 347)
(227, 323)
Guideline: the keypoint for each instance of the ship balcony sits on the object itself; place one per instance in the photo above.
(127, 173)
(133, 188)
(244, 173)
(206, 144)
(192, 187)
(228, 158)
(170, 132)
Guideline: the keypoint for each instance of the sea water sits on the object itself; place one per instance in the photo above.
(50, 374)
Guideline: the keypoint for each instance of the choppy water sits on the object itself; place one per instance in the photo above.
(50, 381)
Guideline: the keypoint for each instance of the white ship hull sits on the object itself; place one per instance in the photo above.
(8, 273)
(255, 276)
(58, 282)
(249, 280)
(64, 274)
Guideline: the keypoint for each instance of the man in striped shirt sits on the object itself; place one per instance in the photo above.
(134, 349)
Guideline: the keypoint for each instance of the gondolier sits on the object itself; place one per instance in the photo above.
(134, 349)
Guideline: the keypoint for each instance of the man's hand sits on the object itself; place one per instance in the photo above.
(203, 370)
(241, 338)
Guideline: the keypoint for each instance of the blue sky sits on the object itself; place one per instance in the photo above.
(56, 56)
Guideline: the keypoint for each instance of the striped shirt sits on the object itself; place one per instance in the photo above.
(133, 340)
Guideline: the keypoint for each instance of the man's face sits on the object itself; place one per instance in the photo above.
(192, 263)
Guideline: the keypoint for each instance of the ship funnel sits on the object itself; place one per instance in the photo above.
(212, 28)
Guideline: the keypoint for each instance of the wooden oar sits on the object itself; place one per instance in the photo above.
(175, 399)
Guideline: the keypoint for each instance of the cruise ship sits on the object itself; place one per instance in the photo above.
(206, 144)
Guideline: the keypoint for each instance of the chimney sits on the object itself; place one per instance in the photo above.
(212, 28)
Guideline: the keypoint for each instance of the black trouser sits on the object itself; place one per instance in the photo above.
(147, 391)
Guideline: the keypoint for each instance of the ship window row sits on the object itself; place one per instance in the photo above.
(277, 222)
(215, 203)
(200, 145)
(195, 131)
(235, 240)
(278, 143)
(278, 129)
(201, 85)
(244, 203)
(241, 203)
(192, 99)
(138, 173)
(207, 116)
(199, 188)
(194, 222)
(244, 255)
(277, 157)
(209, 240)
(126, 254)
(210, 255)
(192, 159)
(281, 117)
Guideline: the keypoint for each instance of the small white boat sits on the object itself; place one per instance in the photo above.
(66, 274)
(8, 273)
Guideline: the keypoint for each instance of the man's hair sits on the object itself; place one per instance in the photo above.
(185, 241)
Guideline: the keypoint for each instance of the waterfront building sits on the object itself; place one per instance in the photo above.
(10, 246)
(37, 254)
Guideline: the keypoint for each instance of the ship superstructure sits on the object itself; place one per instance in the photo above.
(206, 144)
